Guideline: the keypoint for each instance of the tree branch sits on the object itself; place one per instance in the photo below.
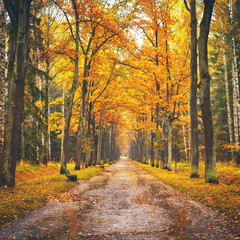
(186, 5)
(66, 18)
(11, 11)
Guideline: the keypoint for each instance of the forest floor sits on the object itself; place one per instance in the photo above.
(123, 202)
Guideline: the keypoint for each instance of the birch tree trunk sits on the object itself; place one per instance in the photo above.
(17, 65)
(63, 121)
(210, 151)
(226, 81)
(236, 96)
(235, 106)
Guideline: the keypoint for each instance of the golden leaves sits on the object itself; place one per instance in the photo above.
(64, 197)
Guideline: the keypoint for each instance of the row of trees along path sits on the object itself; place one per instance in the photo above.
(88, 80)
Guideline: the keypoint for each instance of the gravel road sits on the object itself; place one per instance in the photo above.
(123, 202)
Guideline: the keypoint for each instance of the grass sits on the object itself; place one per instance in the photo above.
(34, 184)
(224, 196)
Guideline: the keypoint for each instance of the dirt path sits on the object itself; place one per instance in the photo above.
(124, 202)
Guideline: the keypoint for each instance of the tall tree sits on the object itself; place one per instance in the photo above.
(70, 99)
(193, 93)
(226, 81)
(205, 78)
(235, 80)
(19, 11)
(2, 72)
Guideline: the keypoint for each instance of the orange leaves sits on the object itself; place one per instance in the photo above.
(64, 197)
(35, 185)
(224, 196)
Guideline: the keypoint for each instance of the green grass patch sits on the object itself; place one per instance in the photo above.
(31, 194)
(224, 196)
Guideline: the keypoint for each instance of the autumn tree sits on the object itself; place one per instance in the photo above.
(163, 77)
(193, 92)
(17, 64)
(99, 29)
(205, 78)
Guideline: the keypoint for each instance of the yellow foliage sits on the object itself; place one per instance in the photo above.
(224, 196)
(35, 185)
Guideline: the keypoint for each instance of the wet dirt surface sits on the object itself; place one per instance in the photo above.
(123, 202)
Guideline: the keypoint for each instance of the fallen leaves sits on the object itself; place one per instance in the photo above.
(35, 192)
(224, 196)
(64, 197)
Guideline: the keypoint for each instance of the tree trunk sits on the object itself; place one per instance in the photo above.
(88, 136)
(226, 81)
(193, 95)
(236, 97)
(185, 143)
(110, 143)
(63, 122)
(65, 155)
(18, 50)
(47, 141)
(152, 149)
(164, 144)
(80, 133)
(46, 128)
(2, 73)
(94, 153)
(99, 146)
(169, 158)
(210, 151)
(235, 106)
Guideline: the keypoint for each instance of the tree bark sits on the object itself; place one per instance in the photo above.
(47, 142)
(2, 73)
(169, 159)
(164, 144)
(210, 151)
(226, 81)
(17, 65)
(110, 156)
(193, 95)
(65, 155)
(236, 97)
(99, 146)
(63, 123)
(80, 133)
(152, 149)
(235, 106)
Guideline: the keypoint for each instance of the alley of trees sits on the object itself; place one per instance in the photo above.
(89, 80)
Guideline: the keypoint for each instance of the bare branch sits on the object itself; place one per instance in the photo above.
(186, 5)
